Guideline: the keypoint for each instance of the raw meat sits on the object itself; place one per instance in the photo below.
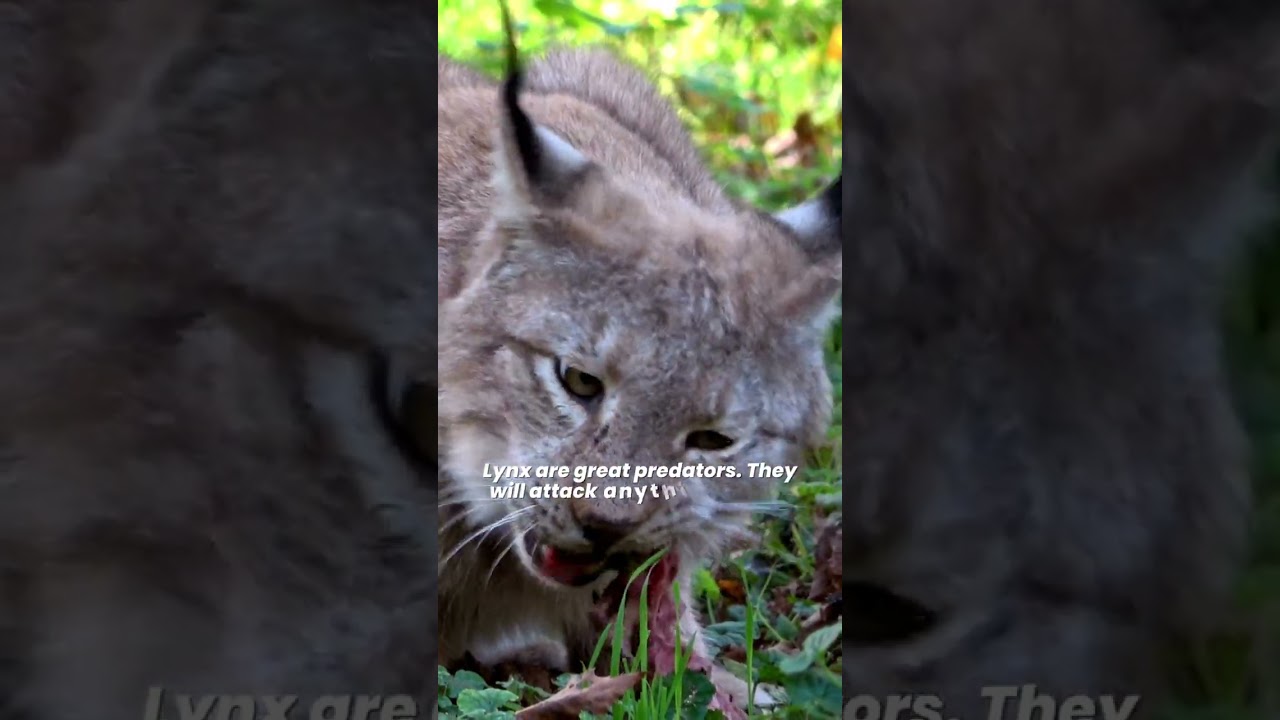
(664, 617)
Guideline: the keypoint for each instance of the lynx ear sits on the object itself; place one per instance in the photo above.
(531, 163)
(816, 222)
(811, 299)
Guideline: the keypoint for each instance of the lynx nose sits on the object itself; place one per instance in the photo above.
(603, 530)
(604, 524)
(607, 522)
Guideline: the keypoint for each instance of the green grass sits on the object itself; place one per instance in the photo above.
(759, 84)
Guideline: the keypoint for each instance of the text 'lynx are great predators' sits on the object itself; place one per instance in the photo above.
(516, 487)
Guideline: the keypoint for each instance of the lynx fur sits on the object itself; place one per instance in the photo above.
(216, 283)
(587, 236)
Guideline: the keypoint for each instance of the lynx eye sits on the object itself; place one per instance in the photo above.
(709, 440)
(581, 385)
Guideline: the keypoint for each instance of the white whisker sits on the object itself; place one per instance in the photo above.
(515, 538)
(775, 509)
(484, 531)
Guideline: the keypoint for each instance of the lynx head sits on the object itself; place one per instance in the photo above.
(610, 321)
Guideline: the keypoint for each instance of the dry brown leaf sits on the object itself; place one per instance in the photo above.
(586, 693)
(733, 589)
(798, 145)
(828, 551)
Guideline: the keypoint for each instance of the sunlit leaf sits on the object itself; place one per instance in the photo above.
(835, 44)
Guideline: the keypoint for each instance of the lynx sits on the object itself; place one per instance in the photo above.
(604, 302)
(217, 353)
(1045, 479)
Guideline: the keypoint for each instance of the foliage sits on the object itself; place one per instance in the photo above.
(759, 83)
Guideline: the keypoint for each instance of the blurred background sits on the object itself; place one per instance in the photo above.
(1238, 674)
(759, 84)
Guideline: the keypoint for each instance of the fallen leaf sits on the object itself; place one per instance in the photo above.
(733, 589)
(782, 601)
(797, 145)
(828, 555)
(586, 693)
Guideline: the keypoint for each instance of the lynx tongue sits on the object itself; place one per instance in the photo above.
(568, 568)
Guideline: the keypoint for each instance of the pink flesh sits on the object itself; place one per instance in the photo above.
(664, 617)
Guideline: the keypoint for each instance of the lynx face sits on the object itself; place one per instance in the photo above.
(578, 351)
(601, 324)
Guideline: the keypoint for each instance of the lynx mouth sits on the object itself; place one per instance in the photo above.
(573, 569)
(578, 569)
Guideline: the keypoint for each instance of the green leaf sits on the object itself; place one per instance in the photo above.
(820, 696)
(795, 664)
(822, 638)
(706, 585)
(731, 633)
(464, 680)
(483, 703)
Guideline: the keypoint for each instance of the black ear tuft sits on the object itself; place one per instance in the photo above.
(532, 164)
(521, 126)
